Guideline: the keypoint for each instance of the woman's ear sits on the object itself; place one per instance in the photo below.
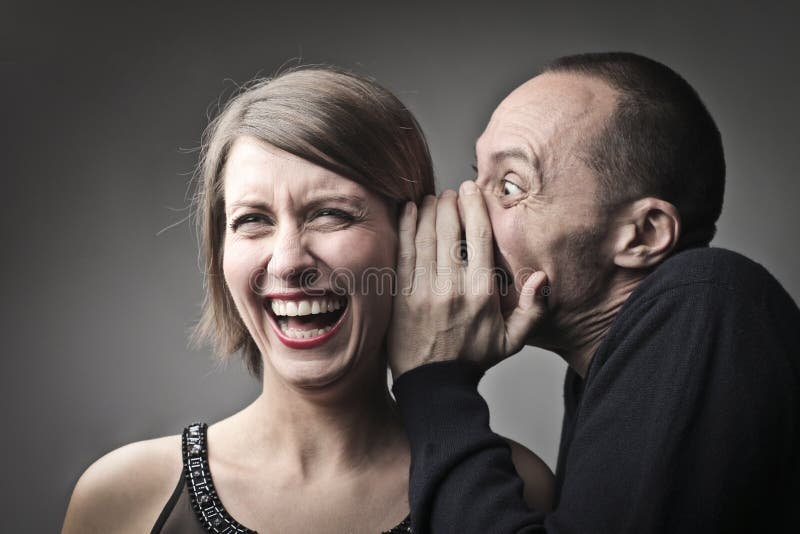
(647, 232)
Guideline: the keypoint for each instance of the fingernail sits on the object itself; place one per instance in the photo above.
(448, 193)
(468, 188)
(409, 208)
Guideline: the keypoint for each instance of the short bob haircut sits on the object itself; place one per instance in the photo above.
(338, 120)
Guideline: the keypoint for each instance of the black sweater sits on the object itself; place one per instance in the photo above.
(687, 421)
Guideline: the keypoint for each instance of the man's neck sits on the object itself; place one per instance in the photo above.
(578, 337)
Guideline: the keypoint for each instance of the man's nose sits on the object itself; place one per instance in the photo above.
(291, 263)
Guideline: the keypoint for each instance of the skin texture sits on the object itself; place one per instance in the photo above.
(321, 449)
(536, 209)
(101, 503)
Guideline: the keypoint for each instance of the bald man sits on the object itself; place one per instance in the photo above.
(599, 185)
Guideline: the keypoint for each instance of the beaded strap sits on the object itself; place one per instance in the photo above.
(403, 528)
(205, 501)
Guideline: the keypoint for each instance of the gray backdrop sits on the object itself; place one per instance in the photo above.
(102, 107)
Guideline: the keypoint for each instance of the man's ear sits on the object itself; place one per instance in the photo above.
(647, 232)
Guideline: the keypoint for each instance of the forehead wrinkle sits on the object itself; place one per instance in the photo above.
(556, 122)
(510, 140)
(280, 197)
(285, 183)
(560, 98)
(527, 157)
(352, 200)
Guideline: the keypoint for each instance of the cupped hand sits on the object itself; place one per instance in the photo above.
(446, 308)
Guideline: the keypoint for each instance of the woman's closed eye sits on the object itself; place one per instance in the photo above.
(325, 218)
(249, 219)
(333, 214)
(330, 220)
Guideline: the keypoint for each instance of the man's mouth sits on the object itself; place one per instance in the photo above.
(304, 321)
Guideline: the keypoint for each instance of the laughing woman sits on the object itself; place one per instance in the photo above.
(301, 178)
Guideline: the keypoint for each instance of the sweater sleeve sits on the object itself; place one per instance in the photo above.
(688, 423)
(462, 476)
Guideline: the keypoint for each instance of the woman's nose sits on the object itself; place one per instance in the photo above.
(291, 264)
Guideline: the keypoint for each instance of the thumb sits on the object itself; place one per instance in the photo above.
(526, 315)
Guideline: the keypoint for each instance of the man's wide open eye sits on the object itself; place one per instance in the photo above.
(510, 188)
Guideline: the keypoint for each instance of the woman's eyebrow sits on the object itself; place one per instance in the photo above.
(353, 200)
(245, 203)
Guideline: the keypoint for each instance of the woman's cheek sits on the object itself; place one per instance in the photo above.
(241, 271)
(355, 251)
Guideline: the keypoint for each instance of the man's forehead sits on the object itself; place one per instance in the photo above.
(566, 91)
(546, 108)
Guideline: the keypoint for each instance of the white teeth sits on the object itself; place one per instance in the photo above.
(312, 306)
(294, 333)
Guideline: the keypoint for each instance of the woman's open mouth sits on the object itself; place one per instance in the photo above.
(302, 321)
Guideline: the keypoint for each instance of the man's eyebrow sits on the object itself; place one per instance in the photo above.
(511, 153)
(518, 154)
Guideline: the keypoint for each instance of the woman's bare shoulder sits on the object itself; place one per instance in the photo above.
(539, 490)
(125, 490)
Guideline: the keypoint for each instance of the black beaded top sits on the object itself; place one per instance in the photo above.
(206, 503)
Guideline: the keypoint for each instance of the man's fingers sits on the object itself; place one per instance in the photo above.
(426, 238)
(448, 235)
(530, 308)
(406, 248)
(478, 230)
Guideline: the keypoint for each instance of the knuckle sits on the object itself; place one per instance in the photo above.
(483, 234)
(406, 258)
(448, 233)
(425, 242)
(407, 225)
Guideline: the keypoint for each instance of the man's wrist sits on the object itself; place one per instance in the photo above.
(436, 375)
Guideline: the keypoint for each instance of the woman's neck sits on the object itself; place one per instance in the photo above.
(316, 434)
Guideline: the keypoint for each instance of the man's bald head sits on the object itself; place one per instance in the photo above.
(659, 140)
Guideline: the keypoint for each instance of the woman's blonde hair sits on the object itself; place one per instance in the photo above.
(338, 120)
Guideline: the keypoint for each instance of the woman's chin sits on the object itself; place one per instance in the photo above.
(311, 375)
